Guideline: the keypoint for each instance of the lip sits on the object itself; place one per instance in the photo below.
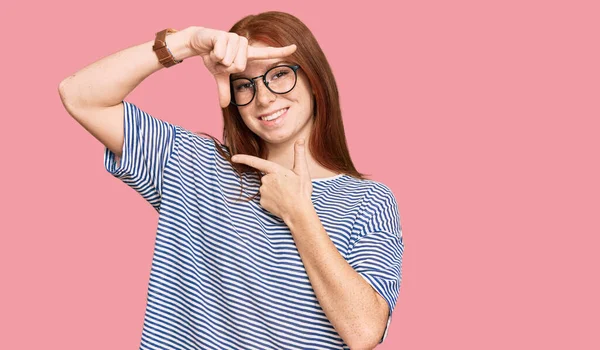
(276, 122)
(269, 113)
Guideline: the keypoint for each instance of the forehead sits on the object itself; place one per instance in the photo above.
(258, 67)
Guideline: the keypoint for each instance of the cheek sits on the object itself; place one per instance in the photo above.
(247, 116)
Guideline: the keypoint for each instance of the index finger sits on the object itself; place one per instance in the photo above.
(260, 53)
(258, 163)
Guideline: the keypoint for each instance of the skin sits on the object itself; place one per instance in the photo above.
(357, 312)
(298, 121)
(225, 54)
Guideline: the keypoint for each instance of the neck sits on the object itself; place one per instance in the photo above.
(283, 153)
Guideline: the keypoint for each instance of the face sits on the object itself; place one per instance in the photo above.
(295, 107)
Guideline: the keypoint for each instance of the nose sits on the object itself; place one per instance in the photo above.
(264, 96)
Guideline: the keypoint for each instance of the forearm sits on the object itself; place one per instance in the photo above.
(352, 306)
(109, 80)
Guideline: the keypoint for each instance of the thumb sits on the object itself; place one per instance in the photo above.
(300, 162)
(224, 89)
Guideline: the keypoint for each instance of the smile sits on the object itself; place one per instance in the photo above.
(274, 115)
(275, 118)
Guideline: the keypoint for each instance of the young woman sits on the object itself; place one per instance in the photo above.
(311, 258)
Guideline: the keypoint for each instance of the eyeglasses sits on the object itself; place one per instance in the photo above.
(280, 79)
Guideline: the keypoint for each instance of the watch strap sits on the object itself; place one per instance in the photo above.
(165, 57)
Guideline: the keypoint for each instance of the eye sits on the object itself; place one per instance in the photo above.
(280, 74)
(243, 86)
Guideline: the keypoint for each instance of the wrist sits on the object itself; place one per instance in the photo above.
(178, 43)
(299, 215)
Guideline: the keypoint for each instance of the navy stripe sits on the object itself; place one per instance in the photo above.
(227, 274)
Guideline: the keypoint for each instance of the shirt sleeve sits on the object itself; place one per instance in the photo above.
(377, 253)
(147, 146)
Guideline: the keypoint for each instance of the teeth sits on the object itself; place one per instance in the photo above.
(274, 115)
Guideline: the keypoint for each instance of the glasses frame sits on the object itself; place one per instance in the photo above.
(294, 67)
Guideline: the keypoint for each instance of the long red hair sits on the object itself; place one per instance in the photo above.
(327, 140)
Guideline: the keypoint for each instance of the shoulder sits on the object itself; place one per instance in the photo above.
(374, 190)
(200, 140)
(384, 193)
(380, 201)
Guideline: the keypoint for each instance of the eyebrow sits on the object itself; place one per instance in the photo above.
(238, 75)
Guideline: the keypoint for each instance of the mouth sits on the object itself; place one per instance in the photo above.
(274, 118)
(272, 115)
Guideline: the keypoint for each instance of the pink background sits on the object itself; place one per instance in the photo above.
(482, 118)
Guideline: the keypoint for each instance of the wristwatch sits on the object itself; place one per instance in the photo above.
(162, 51)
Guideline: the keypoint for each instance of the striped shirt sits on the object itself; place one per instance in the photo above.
(226, 273)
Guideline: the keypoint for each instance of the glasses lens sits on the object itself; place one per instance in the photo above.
(281, 79)
(243, 90)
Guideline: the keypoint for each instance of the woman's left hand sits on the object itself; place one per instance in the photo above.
(283, 190)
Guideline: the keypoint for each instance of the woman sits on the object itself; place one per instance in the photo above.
(312, 257)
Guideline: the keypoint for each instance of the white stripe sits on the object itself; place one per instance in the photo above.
(227, 274)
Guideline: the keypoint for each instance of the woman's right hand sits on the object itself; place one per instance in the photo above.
(225, 53)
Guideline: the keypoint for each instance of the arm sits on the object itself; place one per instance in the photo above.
(357, 312)
(93, 95)
(109, 80)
